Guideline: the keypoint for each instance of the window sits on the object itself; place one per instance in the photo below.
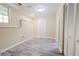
(4, 11)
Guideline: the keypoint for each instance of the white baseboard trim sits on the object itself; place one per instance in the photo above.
(15, 45)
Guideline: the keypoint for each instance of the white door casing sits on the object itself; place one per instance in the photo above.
(65, 29)
(58, 31)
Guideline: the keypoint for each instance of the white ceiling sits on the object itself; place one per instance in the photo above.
(30, 8)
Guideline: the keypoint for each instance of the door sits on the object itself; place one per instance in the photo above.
(41, 30)
(69, 37)
(77, 32)
(71, 28)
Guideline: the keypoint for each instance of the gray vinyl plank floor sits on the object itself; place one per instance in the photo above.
(35, 47)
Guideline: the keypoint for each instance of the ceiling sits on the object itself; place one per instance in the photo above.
(30, 9)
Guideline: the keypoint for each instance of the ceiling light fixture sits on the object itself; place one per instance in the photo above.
(40, 8)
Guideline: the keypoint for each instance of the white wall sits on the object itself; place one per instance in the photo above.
(46, 27)
(12, 35)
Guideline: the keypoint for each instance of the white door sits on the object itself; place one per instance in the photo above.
(69, 36)
(71, 28)
(41, 28)
(77, 32)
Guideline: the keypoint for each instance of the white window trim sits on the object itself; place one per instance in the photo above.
(7, 12)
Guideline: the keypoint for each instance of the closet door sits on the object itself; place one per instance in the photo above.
(65, 28)
(77, 32)
(69, 36)
(71, 28)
